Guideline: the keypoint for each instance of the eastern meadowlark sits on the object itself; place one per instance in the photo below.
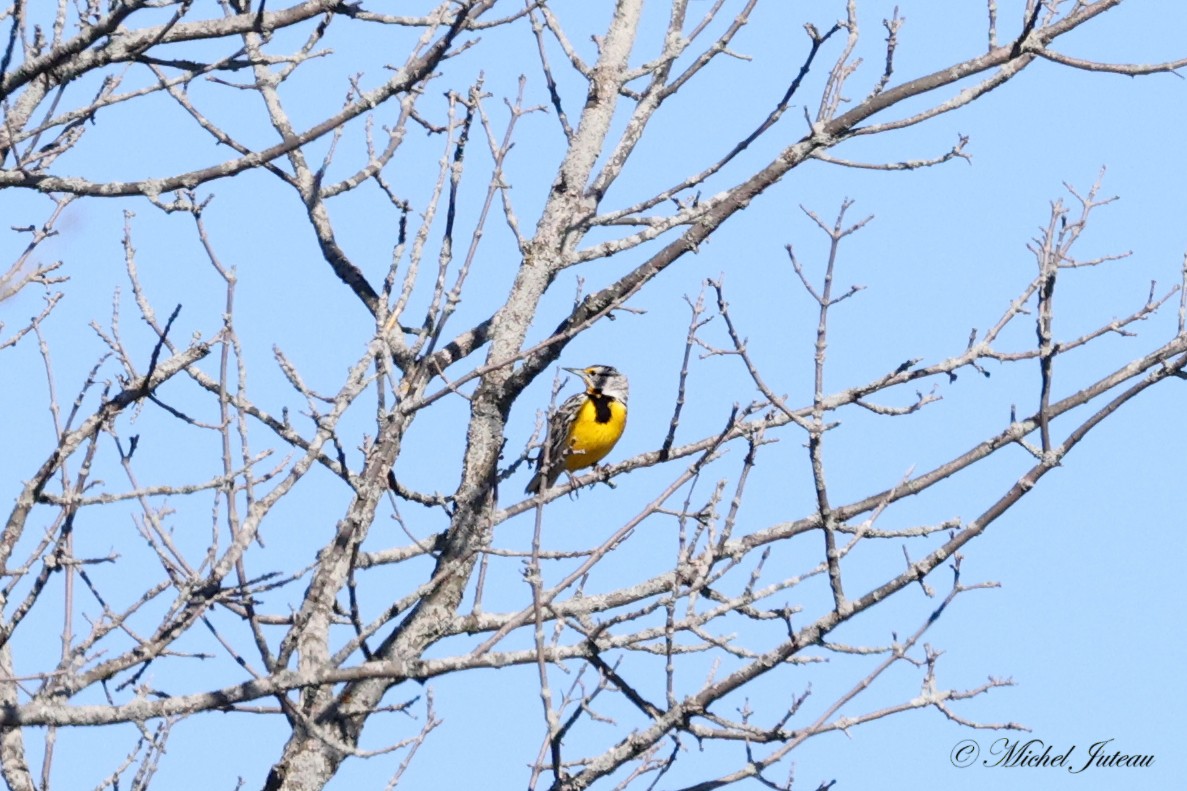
(585, 427)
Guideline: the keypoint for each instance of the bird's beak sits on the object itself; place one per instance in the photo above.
(580, 372)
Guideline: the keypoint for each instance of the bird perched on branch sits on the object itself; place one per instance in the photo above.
(585, 427)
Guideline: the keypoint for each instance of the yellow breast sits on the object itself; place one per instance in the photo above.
(589, 439)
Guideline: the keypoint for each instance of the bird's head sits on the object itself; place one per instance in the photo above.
(603, 380)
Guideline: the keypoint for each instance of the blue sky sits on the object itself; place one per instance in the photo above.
(1087, 621)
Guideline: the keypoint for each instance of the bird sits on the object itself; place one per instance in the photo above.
(585, 427)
